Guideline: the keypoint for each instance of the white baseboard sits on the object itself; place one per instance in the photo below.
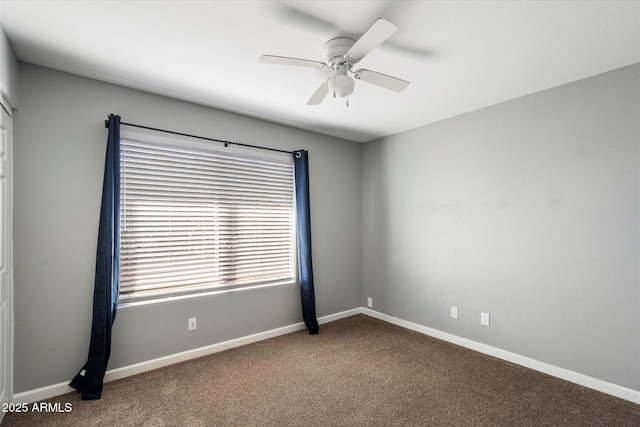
(138, 368)
(126, 371)
(565, 374)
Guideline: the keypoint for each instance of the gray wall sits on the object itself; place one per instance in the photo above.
(59, 156)
(527, 210)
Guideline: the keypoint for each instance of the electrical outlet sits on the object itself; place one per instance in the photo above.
(484, 319)
(369, 302)
(454, 312)
(192, 324)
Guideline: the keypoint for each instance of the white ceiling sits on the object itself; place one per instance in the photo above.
(458, 55)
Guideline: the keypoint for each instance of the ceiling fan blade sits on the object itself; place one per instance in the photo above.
(382, 80)
(319, 94)
(372, 38)
(296, 62)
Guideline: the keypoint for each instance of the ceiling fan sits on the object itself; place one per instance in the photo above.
(342, 54)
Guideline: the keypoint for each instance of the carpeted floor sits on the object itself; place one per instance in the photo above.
(358, 371)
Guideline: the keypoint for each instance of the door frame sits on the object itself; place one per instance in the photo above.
(8, 321)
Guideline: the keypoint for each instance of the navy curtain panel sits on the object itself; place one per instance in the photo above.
(303, 217)
(107, 277)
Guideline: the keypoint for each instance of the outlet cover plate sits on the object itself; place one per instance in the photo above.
(192, 324)
(484, 319)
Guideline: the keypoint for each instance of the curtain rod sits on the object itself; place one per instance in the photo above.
(226, 143)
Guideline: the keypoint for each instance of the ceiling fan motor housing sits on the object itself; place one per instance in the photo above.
(335, 50)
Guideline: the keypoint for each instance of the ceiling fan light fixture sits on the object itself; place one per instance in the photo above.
(342, 85)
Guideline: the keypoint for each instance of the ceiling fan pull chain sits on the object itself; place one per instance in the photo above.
(347, 102)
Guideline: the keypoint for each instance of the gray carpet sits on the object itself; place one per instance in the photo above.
(358, 371)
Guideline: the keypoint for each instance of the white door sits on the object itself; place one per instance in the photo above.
(6, 251)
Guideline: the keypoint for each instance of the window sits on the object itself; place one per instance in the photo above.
(196, 220)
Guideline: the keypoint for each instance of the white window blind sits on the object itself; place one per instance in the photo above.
(195, 220)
